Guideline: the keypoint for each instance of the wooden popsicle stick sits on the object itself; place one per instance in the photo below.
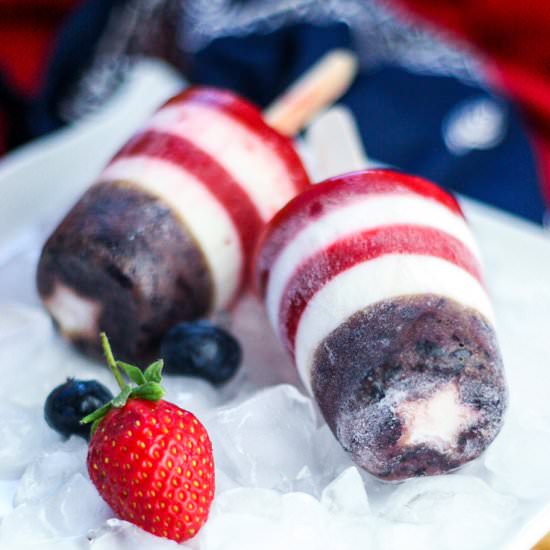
(335, 143)
(325, 82)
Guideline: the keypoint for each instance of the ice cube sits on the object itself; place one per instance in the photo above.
(265, 440)
(23, 332)
(50, 364)
(327, 461)
(72, 543)
(224, 482)
(449, 512)
(24, 435)
(18, 269)
(19, 322)
(518, 458)
(307, 482)
(252, 518)
(390, 535)
(265, 362)
(67, 514)
(305, 523)
(346, 494)
(121, 535)
(51, 470)
(242, 519)
(330, 459)
(7, 492)
(523, 338)
(191, 394)
(346, 500)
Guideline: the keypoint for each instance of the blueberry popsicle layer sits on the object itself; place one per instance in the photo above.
(372, 281)
(166, 232)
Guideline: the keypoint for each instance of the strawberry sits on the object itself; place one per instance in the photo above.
(150, 460)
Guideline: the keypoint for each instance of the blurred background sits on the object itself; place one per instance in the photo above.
(456, 91)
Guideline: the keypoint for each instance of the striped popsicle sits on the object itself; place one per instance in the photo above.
(372, 280)
(167, 232)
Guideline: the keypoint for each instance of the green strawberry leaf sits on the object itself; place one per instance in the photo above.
(98, 414)
(153, 373)
(95, 425)
(147, 384)
(152, 391)
(132, 372)
(120, 400)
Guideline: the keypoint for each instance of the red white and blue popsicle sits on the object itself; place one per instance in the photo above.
(373, 282)
(167, 232)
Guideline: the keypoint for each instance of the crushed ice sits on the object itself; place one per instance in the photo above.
(282, 480)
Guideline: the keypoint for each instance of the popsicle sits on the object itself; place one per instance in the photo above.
(167, 232)
(372, 280)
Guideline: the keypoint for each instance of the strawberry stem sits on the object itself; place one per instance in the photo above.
(111, 360)
(147, 384)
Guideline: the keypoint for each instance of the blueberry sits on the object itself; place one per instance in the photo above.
(201, 349)
(69, 403)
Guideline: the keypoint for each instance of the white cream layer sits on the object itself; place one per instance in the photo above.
(76, 315)
(203, 215)
(367, 213)
(437, 420)
(254, 165)
(383, 278)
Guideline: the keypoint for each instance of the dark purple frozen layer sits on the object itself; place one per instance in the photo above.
(400, 352)
(125, 250)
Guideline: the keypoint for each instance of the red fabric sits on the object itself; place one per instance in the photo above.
(22, 53)
(515, 37)
(27, 29)
(2, 132)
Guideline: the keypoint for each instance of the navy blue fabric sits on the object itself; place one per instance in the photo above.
(401, 117)
(14, 108)
(400, 114)
(261, 66)
(73, 52)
